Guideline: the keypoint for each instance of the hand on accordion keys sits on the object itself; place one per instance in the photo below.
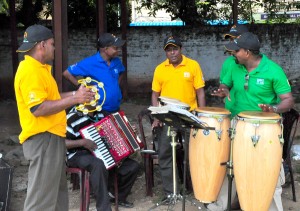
(88, 144)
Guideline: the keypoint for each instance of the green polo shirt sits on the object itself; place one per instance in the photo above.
(227, 66)
(265, 83)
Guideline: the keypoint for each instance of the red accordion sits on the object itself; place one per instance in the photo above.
(115, 138)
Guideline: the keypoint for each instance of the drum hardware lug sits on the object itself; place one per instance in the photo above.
(194, 133)
(281, 140)
(219, 133)
(206, 132)
(231, 132)
(220, 119)
(255, 139)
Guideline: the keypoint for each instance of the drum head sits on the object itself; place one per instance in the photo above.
(259, 115)
(212, 110)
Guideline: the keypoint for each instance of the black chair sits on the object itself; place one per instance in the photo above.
(290, 123)
(150, 154)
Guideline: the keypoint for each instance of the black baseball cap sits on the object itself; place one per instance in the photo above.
(172, 40)
(247, 41)
(236, 30)
(107, 39)
(32, 35)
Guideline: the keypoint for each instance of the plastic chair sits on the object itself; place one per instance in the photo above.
(84, 185)
(290, 123)
(151, 154)
(148, 154)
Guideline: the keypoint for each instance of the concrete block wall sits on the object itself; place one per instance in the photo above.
(145, 52)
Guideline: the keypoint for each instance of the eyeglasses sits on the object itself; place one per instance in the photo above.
(246, 84)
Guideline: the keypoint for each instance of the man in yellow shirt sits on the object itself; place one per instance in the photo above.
(43, 121)
(181, 78)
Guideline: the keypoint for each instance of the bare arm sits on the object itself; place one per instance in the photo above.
(286, 103)
(50, 107)
(154, 98)
(154, 102)
(70, 77)
(86, 143)
(200, 97)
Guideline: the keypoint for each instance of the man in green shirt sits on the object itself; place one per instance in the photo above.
(259, 84)
(235, 31)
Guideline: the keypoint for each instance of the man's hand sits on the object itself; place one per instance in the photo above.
(84, 95)
(267, 108)
(88, 144)
(156, 123)
(221, 92)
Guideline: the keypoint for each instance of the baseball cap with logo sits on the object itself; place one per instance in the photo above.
(247, 41)
(172, 40)
(236, 30)
(106, 40)
(32, 35)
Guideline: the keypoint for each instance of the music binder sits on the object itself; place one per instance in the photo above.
(178, 118)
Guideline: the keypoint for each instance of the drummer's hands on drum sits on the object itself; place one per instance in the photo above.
(156, 123)
(268, 108)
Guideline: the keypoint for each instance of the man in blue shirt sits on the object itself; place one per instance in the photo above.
(105, 67)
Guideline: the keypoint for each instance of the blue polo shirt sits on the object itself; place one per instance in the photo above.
(97, 68)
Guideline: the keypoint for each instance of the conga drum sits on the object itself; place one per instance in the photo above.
(257, 151)
(207, 150)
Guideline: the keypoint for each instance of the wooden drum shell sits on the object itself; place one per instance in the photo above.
(256, 167)
(207, 151)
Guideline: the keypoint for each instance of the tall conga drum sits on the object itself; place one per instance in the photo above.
(207, 150)
(257, 152)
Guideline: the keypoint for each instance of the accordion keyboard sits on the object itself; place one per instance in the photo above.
(102, 151)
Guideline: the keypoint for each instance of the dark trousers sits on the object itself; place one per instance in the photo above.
(165, 159)
(127, 174)
(100, 177)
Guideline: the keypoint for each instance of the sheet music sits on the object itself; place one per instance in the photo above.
(183, 114)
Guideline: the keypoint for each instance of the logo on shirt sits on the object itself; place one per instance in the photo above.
(32, 97)
(260, 81)
(116, 71)
(186, 74)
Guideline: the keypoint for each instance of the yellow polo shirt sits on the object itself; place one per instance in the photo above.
(35, 84)
(179, 82)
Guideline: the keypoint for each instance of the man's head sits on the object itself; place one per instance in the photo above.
(235, 31)
(33, 35)
(109, 45)
(248, 41)
(243, 46)
(172, 47)
(172, 40)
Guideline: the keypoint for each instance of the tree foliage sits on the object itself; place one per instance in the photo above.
(81, 13)
(197, 12)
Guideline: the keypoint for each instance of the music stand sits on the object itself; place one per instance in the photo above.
(179, 119)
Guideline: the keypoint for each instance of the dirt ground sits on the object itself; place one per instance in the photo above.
(12, 153)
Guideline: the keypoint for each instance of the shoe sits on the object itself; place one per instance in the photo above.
(125, 204)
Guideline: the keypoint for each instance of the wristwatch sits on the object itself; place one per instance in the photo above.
(274, 108)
